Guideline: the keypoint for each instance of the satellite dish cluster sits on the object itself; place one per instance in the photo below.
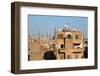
(66, 28)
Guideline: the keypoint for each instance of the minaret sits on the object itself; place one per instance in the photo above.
(38, 34)
(47, 34)
(55, 30)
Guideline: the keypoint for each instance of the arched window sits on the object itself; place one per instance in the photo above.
(76, 36)
(69, 36)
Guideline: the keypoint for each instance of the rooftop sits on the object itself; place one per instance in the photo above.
(66, 28)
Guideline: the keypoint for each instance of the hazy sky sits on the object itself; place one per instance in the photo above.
(43, 24)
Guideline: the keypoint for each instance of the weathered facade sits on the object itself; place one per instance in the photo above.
(37, 47)
(69, 44)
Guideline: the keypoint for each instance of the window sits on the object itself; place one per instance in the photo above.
(86, 42)
(76, 56)
(69, 36)
(76, 45)
(62, 56)
(76, 36)
(86, 52)
(28, 57)
(62, 46)
(60, 36)
(77, 52)
(82, 57)
(28, 49)
(68, 56)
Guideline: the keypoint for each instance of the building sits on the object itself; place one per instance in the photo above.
(69, 43)
(37, 47)
(85, 48)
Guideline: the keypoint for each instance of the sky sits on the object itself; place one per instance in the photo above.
(43, 24)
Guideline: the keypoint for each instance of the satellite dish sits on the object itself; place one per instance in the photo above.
(59, 30)
(66, 26)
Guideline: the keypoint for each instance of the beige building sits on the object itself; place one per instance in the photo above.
(69, 44)
(37, 47)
